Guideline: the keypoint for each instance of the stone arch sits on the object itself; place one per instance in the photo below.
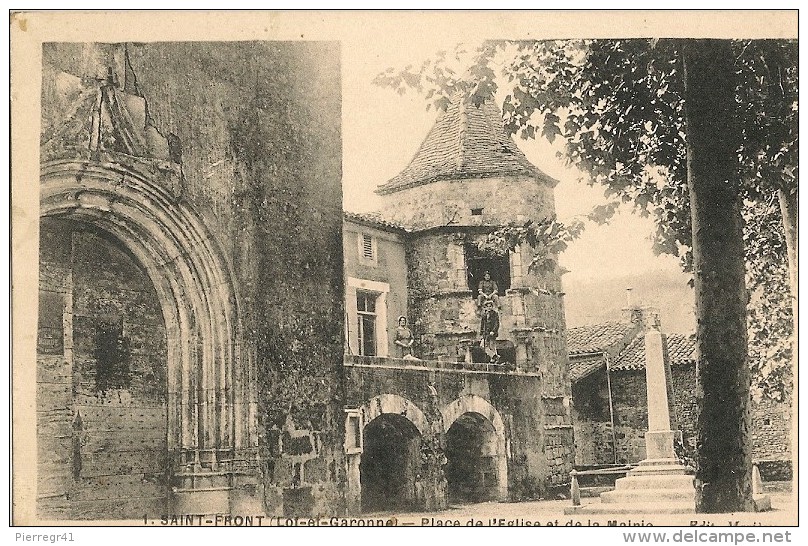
(210, 406)
(471, 403)
(393, 403)
(390, 464)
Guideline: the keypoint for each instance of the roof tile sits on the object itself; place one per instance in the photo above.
(596, 337)
(582, 368)
(681, 350)
(373, 219)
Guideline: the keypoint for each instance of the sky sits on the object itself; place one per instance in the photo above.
(382, 131)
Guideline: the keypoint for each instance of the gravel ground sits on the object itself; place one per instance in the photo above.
(547, 513)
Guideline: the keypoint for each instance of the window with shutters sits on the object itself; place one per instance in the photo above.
(367, 249)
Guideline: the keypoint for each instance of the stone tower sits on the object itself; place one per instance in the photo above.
(468, 178)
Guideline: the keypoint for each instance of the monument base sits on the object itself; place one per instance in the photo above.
(656, 486)
(763, 503)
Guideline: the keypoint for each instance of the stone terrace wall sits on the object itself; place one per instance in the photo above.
(537, 428)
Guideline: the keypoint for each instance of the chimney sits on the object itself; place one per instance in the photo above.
(636, 313)
(631, 312)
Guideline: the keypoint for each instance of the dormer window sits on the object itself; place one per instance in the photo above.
(477, 211)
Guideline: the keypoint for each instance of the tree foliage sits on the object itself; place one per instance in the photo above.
(770, 318)
(548, 238)
(618, 106)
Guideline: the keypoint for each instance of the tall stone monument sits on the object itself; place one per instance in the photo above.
(660, 484)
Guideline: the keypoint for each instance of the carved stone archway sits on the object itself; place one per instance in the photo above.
(211, 405)
(383, 406)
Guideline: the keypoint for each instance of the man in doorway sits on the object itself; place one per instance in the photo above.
(487, 290)
(489, 326)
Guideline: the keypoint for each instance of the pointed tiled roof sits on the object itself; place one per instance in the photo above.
(467, 141)
(681, 350)
(597, 337)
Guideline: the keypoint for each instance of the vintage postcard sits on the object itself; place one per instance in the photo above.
(405, 269)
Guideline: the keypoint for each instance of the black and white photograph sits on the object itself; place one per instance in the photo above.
(367, 268)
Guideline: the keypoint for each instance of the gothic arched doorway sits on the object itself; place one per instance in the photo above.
(471, 453)
(389, 465)
(208, 414)
(101, 377)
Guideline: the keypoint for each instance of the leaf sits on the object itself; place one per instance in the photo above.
(550, 129)
(601, 214)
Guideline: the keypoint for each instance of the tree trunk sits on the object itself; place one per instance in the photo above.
(724, 462)
(788, 209)
(787, 198)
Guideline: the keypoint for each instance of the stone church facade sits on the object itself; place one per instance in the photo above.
(190, 290)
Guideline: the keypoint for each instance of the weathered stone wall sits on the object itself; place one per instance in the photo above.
(255, 129)
(685, 406)
(101, 380)
(259, 124)
(531, 312)
(537, 428)
(450, 202)
(444, 310)
(770, 420)
(771, 427)
(559, 449)
(590, 417)
(440, 301)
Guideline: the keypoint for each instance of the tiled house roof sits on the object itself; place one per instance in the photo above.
(681, 350)
(372, 219)
(466, 141)
(578, 369)
(597, 337)
(586, 345)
